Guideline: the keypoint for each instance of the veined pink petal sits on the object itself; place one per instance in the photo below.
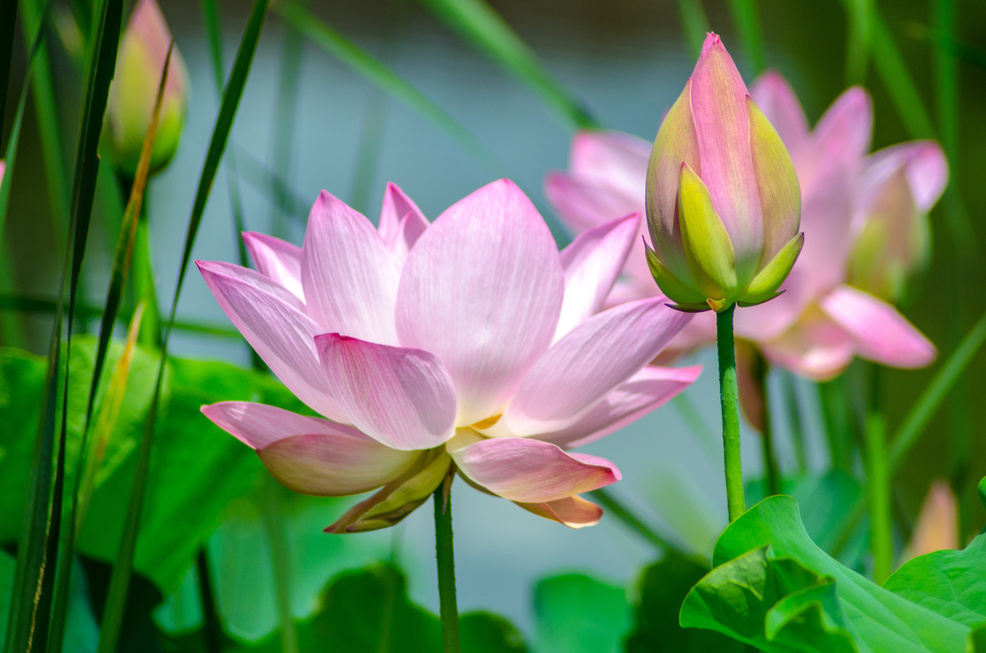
(771, 92)
(574, 512)
(270, 318)
(401, 397)
(615, 158)
(276, 259)
(646, 390)
(311, 455)
(924, 165)
(592, 263)
(529, 471)
(722, 127)
(881, 333)
(586, 203)
(401, 221)
(587, 364)
(349, 274)
(482, 289)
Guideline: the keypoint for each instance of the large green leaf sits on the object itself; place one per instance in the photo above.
(577, 613)
(774, 588)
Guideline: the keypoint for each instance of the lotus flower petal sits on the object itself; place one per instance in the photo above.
(311, 455)
(401, 397)
(482, 289)
(574, 512)
(276, 259)
(774, 96)
(401, 221)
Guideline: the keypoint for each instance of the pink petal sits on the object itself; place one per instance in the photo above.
(722, 126)
(613, 158)
(271, 320)
(403, 398)
(646, 390)
(574, 512)
(592, 263)
(815, 347)
(848, 122)
(774, 96)
(924, 165)
(529, 471)
(276, 259)
(586, 203)
(587, 364)
(349, 274)
(401, 221)
(311, 455)
(483, 289)
(881, 333)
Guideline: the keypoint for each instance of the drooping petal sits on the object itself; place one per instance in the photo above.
(592, 263)
(881, 333)
(397, 499)
(350, 276)
(780, 105)
(587, 364)
(574, 512)
(722, 127)
(311, 455)
(646, 390)
(816, 347)
(482, 289)
(276, 259)
(525, 470)
(401, 397)
(270, 319)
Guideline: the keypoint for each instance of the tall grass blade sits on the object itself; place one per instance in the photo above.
(319, 33)
(858, 39)
(748, 25)
(696, 24)
(899, 81)
(8, 18)
(480, 26)
(120, 580)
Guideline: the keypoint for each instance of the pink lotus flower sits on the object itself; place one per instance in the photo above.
(820, 322)
(469, 344)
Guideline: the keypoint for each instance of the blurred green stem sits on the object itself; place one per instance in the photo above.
(748, 25)
(835, 414)
(273, 513)
(770, 467)
(207, 597)
(445, 558)
(729, 397)
(878, 483)
(794, 419)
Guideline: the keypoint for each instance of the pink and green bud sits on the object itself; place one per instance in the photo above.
(893, 238)
(143, 50)
(723, 200)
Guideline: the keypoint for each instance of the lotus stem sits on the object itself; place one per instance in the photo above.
(445, 558)
(729, 395)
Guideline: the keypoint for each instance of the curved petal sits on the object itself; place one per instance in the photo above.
(349, 274)
(311, 455)
(401, 221)
(587, 364)
(482, 289)
(815, 347)
(586, 203)
(778, 102)
(276, 259)
(646, 390)
(592, 263)
(529, 471)
(722, 127)
(614, 158)
(270, 319)
(848, 122)
(403, 398)
(881, 333)
(924, 165)
(574, 512)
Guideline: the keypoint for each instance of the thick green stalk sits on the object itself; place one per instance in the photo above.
(878, 484)
(729, 395)
(446, 567)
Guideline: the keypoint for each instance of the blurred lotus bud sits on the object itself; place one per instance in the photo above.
(131, 102)
(893, 241)
(723, 200)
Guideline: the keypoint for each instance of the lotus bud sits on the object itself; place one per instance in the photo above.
(893, 240)
(723, 200)
(143, 50)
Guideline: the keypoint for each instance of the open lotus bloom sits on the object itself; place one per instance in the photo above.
(723, 201)
(468, 345)
(143, 50)
(813, 327)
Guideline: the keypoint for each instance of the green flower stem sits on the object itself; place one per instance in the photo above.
(835, 414)
(878, 484)
(150, 330)
(771, 469)
(794, 420)
(446, 566)
(729, 395)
